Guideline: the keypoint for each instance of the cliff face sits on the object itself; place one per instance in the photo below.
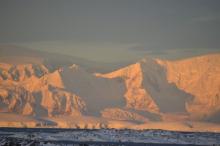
(141, 92)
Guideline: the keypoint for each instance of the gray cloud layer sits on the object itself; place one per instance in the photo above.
(155, 26)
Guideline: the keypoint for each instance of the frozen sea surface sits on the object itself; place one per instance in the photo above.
(47, 136)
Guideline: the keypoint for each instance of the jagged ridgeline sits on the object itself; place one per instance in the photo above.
(147, 91)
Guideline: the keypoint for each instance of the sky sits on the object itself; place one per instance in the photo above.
(113, 30)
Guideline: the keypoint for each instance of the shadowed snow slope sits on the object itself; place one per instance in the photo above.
(98, 93)
(144, 92)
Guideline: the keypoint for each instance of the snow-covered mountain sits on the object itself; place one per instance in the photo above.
(200, 77)
(150, 90)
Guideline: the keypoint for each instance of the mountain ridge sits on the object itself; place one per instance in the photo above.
(142, 92)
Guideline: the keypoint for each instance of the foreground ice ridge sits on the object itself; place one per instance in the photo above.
(62, 136)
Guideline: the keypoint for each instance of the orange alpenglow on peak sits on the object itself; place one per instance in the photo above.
(151, 92)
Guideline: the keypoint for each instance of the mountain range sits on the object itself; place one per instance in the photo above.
(39, 89)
